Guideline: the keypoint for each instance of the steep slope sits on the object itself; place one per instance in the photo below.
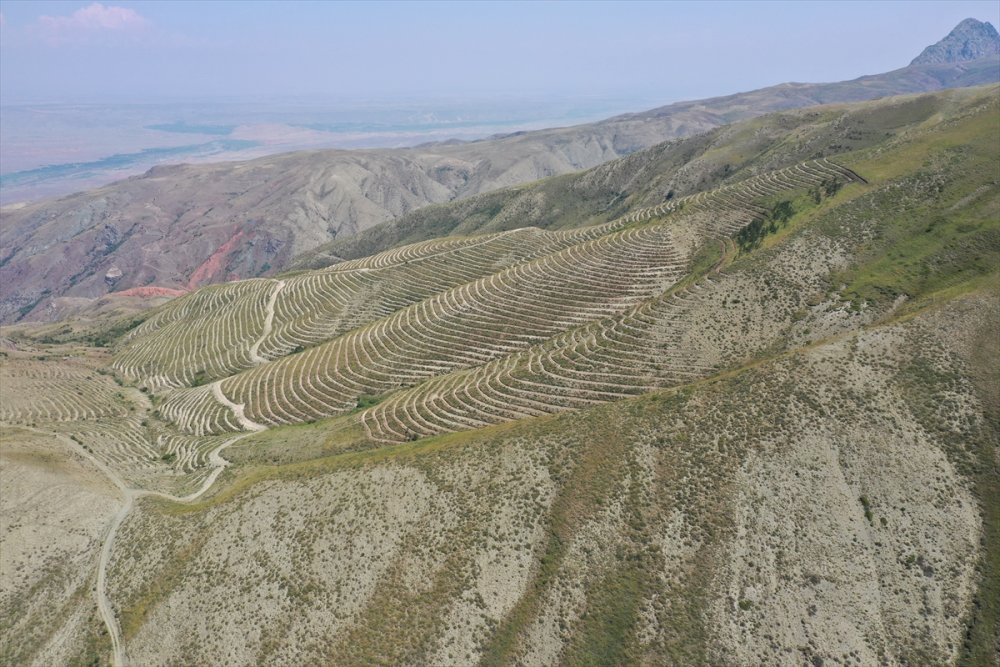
(756, 423)
(793, 513)
(574, 324)
(56, 506)
(970, 40)
(180, 227)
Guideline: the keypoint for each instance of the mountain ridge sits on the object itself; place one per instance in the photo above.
(180, 226)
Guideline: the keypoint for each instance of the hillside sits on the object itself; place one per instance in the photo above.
(180, 227)
(755, 422)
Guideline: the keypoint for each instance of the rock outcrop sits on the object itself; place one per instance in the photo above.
(970, 40)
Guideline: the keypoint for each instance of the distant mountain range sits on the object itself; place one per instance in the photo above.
(176, 228)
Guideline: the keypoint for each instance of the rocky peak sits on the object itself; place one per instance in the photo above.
(970, 40)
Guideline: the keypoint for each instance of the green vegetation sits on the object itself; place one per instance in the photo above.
(919, 252)
(982, 641)
(938, 224)
(751, 236)
(587, 477)
(367, 401)
(201, 377)
(605, 636)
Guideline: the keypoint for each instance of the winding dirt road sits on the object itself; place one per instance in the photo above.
(120, 657)
(268, 324)
(236, 408)
(129, 496)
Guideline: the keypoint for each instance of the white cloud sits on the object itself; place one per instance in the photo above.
(90, 23)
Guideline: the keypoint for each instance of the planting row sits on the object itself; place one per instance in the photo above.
(569, 328)
(468, 325)
(203, 337)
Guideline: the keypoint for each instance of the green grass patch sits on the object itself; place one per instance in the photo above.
(930, 220)
(927, 250)
(367, 401)
(604, 635)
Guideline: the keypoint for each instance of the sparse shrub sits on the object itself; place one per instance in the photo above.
(831, 187)
(868, 508)
(782, 212)
(366, 401)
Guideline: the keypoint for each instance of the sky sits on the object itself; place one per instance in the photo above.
(76, 52)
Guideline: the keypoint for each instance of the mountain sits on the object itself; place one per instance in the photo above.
(672, 169)
(754, 421)
(970, 40)
(176, 228)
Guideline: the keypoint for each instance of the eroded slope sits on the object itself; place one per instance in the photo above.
(802, 509)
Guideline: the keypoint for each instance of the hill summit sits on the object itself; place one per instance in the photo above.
(969, 40)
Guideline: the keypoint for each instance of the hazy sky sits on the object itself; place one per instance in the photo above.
(144, 51)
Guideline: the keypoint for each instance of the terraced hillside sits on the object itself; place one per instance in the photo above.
(489, 319)
(754, 422)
